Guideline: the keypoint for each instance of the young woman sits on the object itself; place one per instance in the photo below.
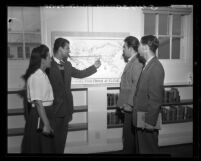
(39, 133)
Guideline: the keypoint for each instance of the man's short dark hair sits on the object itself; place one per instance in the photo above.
(60, 42)
(132, 42)
(151, 41)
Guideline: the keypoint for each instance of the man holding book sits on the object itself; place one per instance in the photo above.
(148, 97)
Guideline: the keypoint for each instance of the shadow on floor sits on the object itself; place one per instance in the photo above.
(184, 150)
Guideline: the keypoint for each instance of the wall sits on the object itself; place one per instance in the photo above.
(104, 19)
(96, 19)
(31, 18)
(91, 19)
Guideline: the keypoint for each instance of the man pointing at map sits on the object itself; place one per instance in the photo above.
(60, 74)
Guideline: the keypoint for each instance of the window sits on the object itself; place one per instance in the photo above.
(27, 50)
(9, 56)
(149, 24)
(166, 24)
(23, 31)
(19, 52)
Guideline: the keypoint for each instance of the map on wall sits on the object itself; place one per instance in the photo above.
(86, 50)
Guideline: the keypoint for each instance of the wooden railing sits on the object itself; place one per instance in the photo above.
(182, 102)
(20, 111)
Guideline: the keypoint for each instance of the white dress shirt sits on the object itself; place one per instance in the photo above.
(57, 60)
(39, 88)
(129, 59)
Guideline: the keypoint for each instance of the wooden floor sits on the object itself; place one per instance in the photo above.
(184, 150)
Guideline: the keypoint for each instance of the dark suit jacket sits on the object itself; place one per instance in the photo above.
(63, 99)
(129, 81)
(149, 93)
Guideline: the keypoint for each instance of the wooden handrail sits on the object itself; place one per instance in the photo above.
(114, 126)
(16, 91)
(165, 86)
(179, 85)
(182, 102)
(109, 126)
(109, 88)
(20, 111)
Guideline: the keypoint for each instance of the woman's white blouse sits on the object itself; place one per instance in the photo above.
(39, 88)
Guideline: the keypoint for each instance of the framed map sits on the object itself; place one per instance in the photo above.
(87, 47)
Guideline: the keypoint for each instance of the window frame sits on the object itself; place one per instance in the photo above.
(170, 12)
(20, 48)
(22, 36)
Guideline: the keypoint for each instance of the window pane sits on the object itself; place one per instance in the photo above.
(29, 47)
(149, 24)
(30, 17)
(163, 24)
(164, 48)
(27, 50)
(19, 52)
(32, 40)
(176, 28)
(175, 48)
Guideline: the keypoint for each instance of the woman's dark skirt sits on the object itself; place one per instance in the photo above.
(34, 141)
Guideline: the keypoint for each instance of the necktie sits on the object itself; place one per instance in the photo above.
(61, 68)
(61, 63)
(144, 66)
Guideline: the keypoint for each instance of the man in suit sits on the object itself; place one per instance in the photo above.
(128, 84)
(148, 97)
(60, 74)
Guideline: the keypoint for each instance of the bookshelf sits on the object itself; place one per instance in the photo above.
(93, 133)
(20, 112)
(177, 129)
(167, 103)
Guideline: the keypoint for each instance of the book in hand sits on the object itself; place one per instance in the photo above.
(39, 129)
(141, 120)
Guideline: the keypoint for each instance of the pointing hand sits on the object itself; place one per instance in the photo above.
(97, 63)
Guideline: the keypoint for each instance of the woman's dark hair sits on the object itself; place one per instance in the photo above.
(132, 42)
(151, 41)
(60, 42)
(35, 61)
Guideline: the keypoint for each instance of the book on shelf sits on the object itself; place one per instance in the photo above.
(108, 117)
(173, 113)
(108, 99)
(177, 113)
(181, 112)
(114, 118)
(165, 113)
(112, 99)
(189, 113)
(116, 98)
(171, 96)
(117, 119)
